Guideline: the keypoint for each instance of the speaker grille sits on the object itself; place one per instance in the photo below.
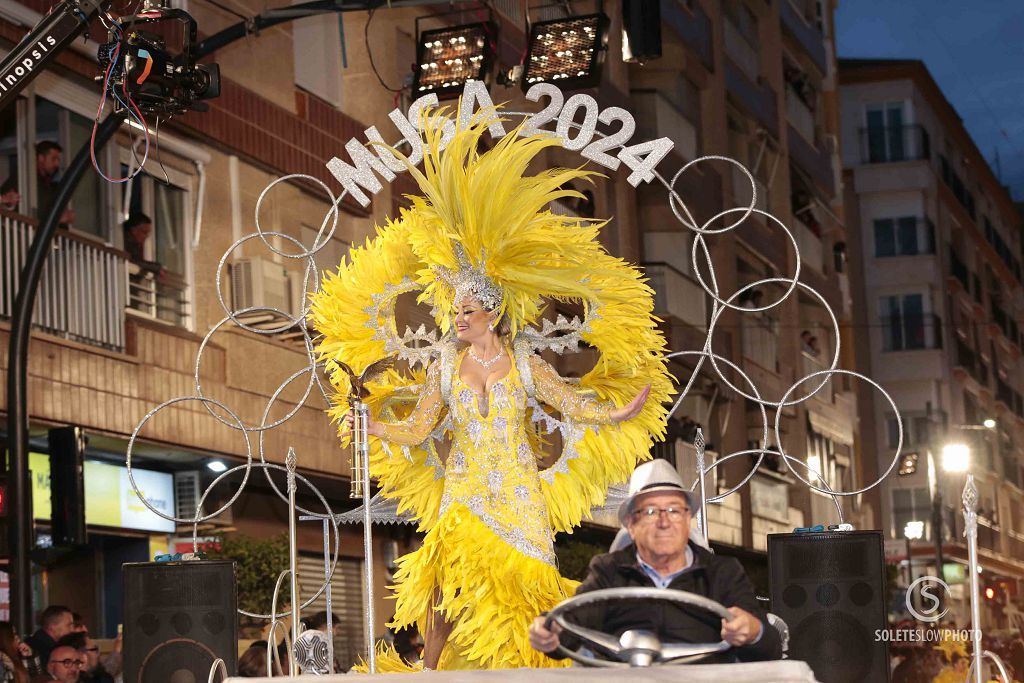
(829, 589)
(179, 618)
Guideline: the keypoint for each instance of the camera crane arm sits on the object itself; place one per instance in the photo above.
(66, 21)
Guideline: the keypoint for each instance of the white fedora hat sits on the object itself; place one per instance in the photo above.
(650, 477)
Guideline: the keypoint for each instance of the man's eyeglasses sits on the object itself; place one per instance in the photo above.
(70, 662)
(650, 513)
(91, 649)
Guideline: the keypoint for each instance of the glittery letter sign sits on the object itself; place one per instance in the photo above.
(606, 149)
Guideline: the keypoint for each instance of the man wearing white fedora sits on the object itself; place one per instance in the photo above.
(657, 515)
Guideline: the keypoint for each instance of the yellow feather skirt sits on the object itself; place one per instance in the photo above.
(487, 589)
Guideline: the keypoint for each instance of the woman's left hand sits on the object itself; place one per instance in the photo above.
(633, 408)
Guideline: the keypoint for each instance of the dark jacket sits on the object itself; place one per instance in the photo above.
(42, 645)
(720, 578)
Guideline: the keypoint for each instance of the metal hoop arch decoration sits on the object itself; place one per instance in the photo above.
(764, 418)
(892, 404)
(131, 444)
(292, 321)
(783, 403)
(332, 213)
(319, 495)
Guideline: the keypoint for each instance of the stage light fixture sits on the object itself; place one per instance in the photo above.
(567, 52)
(447, 58)
(217, 466)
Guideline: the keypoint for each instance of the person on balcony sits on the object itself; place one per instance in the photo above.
(48, 157)
(137, 230)
(9, 195)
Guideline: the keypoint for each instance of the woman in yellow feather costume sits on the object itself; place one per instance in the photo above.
(482, 248)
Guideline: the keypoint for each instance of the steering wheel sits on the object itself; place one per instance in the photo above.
(636, 648)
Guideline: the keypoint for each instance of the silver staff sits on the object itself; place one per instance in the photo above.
(362, 476)
(293, 556)
(970, 501)
(702, 521)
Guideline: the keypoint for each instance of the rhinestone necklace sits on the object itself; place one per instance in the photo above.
(486, 363)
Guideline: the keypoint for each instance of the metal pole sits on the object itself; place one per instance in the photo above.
(20, 521)
(327, 596)
(970, 501)
(702, 519)
(910, 560)
(293, 558)
(938, 527)
(362, 417)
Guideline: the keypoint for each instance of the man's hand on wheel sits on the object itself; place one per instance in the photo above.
(544, 636)
(742, 629)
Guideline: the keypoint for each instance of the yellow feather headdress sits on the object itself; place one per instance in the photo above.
(483, 224)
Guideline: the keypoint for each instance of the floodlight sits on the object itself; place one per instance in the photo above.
(567, 52)
(447, 58)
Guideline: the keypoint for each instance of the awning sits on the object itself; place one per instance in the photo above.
(840, 432)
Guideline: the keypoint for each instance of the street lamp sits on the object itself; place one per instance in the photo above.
(913, 531)
(955, 457)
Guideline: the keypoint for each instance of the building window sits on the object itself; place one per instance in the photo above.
(160, 269)
(87, 208)
(904, 236)
(911, 505)
(904, 323)
(317, 55)
(885, 131)
(916, 432)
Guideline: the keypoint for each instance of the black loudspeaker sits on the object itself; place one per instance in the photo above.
(830, 590)
(179, 617)
(67, 485)
(641, 26)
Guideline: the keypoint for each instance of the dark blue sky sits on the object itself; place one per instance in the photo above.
(974, 51)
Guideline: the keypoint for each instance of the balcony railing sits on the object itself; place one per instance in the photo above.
(159, 298)
(84, 287)
(911, 332)
(657, 117)
(741, 52)
(1001, 319)
(959, 270)
(812, 252)
(676, 295)
(741, 193)
(810, 364)
(800, 115)
(760, 340)
(881, 144)
(808, 35)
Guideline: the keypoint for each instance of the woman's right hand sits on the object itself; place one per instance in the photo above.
(24, 650)
(373, 428)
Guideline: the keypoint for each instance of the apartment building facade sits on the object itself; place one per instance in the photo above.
(936, 240)
(750, 80)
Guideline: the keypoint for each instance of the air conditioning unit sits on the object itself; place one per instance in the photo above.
(260, 283)
(186, 494)
(188, 491)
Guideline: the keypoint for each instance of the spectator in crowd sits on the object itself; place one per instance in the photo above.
(253, 662)
(13, 652)
(77, 624)
(89, 651)
(55, 622)
(409, 644)
(48, 156)
(65, 664)
(9, 195)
